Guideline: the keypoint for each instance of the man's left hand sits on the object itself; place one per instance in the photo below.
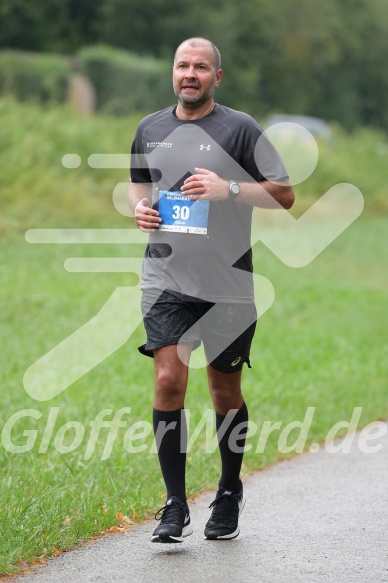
(205, 185)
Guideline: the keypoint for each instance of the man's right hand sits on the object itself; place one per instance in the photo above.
(147, 218)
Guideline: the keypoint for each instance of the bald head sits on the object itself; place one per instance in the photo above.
(202, 42)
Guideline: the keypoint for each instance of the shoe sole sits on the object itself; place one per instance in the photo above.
(232, 535)
(187, 531)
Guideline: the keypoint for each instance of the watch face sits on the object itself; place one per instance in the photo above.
(234, 188)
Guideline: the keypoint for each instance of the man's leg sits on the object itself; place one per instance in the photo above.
(170, 430)
(225, 390)
(231, 411)
(235, 323)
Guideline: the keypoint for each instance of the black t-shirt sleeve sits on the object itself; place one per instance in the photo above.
(139, 168)
(258, 156)
(268, 160)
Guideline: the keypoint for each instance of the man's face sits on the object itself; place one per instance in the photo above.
(194, 76)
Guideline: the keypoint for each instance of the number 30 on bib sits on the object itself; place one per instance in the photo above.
(179, 214)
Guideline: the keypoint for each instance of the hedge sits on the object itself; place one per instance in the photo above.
(38, 77)
(125, 82)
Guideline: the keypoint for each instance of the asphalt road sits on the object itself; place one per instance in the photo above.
(318, 518)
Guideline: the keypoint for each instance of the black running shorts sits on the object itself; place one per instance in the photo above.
(226, 332)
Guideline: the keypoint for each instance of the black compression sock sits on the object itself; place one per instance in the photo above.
(170, 432)
(231, 454)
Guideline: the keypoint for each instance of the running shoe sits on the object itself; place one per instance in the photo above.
(174, 522)
(223, 522)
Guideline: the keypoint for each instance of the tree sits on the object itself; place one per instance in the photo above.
(326, 59)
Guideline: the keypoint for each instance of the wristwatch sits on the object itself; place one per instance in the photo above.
(234, 189)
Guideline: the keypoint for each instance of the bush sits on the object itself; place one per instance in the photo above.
(39, 77)
(125, 82)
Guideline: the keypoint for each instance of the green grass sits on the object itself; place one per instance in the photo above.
(322, 344)
(358, 158)
(36, 189)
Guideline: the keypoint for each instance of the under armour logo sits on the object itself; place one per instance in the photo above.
(202, 147)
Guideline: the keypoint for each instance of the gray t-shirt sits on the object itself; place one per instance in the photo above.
(216, 266)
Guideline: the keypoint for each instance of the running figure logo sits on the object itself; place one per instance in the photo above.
(296, 242)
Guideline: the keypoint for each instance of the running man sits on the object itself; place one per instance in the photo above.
(194, 182)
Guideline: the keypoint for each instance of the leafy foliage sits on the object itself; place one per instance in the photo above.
(37, 77)
(126, 82)
(326, 59)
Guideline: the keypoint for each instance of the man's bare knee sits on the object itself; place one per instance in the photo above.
(225, 390)
(171, 377)
(169, 383)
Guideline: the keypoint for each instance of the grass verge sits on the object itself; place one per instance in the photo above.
(322, 344)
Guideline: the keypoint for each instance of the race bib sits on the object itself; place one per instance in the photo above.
(179, 214)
